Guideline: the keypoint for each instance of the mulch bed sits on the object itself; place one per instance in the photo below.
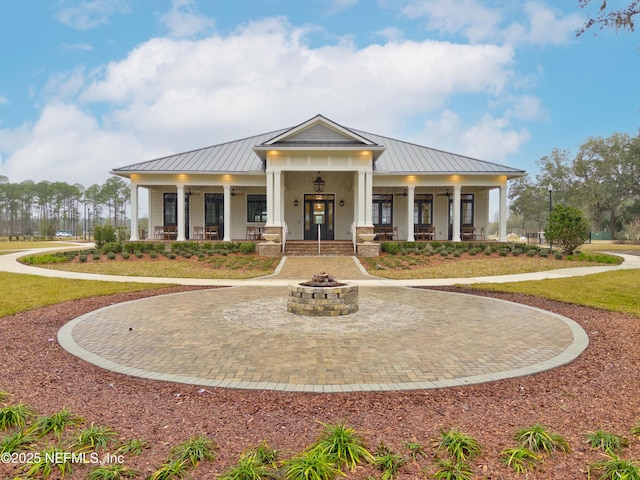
(599, 390)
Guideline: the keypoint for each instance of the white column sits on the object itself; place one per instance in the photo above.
(368, 207)
(277, 198)
(411, 190)
(502, 227)
(181, 236)
(456, 213)
(361, 201)
(270, 214)
(227, 213)
(134, 212)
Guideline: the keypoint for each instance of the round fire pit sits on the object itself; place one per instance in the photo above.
(322, 296)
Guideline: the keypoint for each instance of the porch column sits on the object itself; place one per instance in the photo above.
(368, 206)
(181, 236)
(502, 227)
(277, 198)
(456, 213)
(360, 199)
(269, 198)
(227, 213)
(134, 212)
(411, 190)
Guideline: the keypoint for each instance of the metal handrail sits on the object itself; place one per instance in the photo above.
(353, 237)
(285, 230)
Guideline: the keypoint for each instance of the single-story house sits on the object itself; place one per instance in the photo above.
(317, 181)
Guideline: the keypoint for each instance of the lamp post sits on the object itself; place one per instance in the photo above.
(550, 188)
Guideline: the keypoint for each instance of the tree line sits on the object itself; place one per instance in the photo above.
(602, 180)
(41, 209)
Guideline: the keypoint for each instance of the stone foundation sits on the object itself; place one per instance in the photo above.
(323, 301)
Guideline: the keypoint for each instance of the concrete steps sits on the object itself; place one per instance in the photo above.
(336, 248)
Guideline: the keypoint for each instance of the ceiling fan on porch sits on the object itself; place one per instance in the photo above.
(235, 193)
(445, 194)
(403, 193)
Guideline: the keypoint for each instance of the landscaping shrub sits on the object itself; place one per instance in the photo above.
(247, 247)
(392, 248)
(111, 247)
(104, 234)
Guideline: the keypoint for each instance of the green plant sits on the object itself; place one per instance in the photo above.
(264, 454)
(46, 461)
(195, 450)
(94, 436)
(342, 444)
(387, 462)
(114, 471)
(103, 235)
(567, 228)
(132, 447)
(56, 423)
(307, 466)
(416, 449)
(537, 439)
(609, 442)
(15, 416)
(635, 430)
(460, 446)
(249, 468)
(520, 459)
(615, 468)
(4, 396)
(170, 470)
(15, 443)
(452, 470)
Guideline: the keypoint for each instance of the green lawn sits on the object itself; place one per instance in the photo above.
(616, 291)
(25, 292)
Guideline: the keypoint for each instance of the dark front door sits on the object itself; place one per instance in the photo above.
(214, 212)
(318, 217)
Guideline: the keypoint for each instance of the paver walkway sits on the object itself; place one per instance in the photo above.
(401, 338)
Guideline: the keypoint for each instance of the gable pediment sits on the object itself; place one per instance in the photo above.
(319, 131)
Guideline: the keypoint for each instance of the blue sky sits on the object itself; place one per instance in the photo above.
(90, 85)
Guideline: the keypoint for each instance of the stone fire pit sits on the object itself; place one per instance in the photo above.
(322, 296)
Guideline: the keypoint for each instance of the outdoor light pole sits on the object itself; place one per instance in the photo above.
(550, 188)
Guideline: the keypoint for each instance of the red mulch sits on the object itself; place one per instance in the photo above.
(597, 391)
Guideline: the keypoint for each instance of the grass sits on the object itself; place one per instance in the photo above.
(607, 441)
(232, 266)
(538, 439)
(343, 446)
(56, 423)
(26, 292)
(615, 291)
(6, 246)
(195, 450)
(459, 445)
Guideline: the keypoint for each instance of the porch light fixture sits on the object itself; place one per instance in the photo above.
(318, 184)
(295, 202)
(342, 203)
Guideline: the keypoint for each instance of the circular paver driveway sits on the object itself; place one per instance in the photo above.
(401, 338)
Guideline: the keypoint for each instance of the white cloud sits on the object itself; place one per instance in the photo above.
(489, 138)
(173, 94)
(3, 100)
(83, 15)
(84, 47)
(183, 21)
(533, 22)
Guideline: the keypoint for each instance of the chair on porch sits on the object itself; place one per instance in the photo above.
(158, 232)
(211, 233)
(394, 233)
(426, 233)
(467, 233)
(170, 232)
(481, 235)
(254, 233)
(198, 233)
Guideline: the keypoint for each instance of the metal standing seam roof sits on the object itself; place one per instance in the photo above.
(239, 157)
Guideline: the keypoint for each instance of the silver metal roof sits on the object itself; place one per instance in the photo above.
(246, 155)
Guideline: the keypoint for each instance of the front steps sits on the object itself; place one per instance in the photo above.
(334, 248)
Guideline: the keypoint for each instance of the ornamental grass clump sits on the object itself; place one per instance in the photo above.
(342, 444)
(520, 459)
(94, 436)
(606, 441)
(195, 450)
(537, 439)
(615, 468)
(311, 466)
(387, 461)
(15, 416)
(460, 446)
(56, 423)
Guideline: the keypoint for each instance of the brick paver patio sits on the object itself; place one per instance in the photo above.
(401, 338)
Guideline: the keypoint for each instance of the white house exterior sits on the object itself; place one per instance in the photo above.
(371, 183)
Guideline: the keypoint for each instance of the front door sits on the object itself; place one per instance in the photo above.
(318, 217)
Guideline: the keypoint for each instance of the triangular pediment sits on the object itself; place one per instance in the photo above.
(319, 131)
